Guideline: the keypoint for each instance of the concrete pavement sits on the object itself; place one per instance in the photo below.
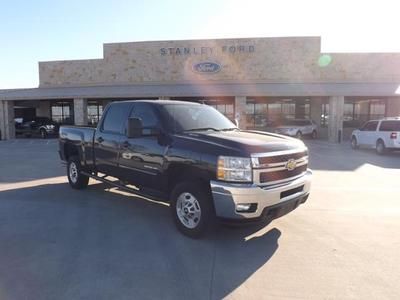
(101, 243)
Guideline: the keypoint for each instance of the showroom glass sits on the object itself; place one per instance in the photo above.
(94, 111)
(62, 112)
(182, 117)
(262, 113)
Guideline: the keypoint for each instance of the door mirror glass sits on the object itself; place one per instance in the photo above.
(134, 128)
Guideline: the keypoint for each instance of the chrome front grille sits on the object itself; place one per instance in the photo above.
(279, 167)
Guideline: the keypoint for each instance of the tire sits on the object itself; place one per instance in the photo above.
(380, 147)
(43, 133)
(299, 135)
(75, 178)
(192, 209)
(354, 143)
(314, 134)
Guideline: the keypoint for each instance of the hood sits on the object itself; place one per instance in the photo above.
(247, 142)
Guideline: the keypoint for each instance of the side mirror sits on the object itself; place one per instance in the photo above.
(134, 128)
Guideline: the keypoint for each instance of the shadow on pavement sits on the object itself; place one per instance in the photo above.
(59, 243)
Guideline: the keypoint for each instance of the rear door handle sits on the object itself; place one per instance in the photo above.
(100, 140)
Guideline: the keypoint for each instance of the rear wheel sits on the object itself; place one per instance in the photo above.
(354, 143)
(380, 147)
(191, 208)
(75, 178)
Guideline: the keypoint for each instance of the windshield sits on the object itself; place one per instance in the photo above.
(190, 117)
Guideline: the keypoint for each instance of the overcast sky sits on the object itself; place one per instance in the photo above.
(42, 30)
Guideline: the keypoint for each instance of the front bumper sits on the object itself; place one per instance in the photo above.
(264, 200)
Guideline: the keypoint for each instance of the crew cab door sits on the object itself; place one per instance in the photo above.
(142, 158)
(108, 137)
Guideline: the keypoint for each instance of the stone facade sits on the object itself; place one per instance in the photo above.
(295, 59)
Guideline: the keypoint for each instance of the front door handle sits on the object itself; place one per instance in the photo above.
(100, 140)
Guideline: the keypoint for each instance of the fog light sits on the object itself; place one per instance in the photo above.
(243, 207)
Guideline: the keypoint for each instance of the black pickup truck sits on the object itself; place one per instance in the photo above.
(192, 156)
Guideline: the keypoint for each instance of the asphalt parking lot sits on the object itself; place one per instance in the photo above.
(101, 243)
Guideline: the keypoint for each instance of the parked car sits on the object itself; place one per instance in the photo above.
(298, 128)
(192, 156)
(39, 126)
(383, 135)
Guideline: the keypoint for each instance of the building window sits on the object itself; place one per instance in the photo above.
(62, 112)
(263, 113)
(358, 111)
(325, 115)
(94, 111)
(224, 108)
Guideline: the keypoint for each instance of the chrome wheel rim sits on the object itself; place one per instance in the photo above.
(188, 210)
(73, 172)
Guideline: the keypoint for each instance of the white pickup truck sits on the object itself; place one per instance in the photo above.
(381, 135)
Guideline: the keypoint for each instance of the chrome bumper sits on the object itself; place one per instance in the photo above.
(227, 196)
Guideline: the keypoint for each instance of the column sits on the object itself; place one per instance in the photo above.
(393, 107)
(80, 112)
(335, 122)
(316, 110)
(7, 125)
(240, 111)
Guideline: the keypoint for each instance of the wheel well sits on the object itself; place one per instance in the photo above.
(69, 151)
(380, 140)
(177, 174)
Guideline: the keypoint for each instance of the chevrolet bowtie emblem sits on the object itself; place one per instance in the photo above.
(291, 165)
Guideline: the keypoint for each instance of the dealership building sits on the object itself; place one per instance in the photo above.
(260, 81)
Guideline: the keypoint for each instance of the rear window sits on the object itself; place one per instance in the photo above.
(390, 126)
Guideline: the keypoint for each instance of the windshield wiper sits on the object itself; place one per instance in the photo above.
(203, 128)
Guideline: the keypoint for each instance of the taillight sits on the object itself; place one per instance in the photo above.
(393, 135)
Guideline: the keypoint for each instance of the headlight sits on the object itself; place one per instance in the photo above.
(234, 169)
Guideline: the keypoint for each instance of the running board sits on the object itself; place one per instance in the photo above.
(123, 187)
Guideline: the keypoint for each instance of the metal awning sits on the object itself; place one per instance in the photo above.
(205, 90)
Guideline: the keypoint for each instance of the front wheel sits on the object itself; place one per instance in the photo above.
(299, 135)
(314, 134)
(75, 178)
(354, 143)
(192, 209)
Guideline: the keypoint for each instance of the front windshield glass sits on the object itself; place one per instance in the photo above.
(191, 117)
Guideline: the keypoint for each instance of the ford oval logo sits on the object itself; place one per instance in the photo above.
(206, 67)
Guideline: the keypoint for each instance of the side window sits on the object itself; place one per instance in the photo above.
(390, 126)
(146, 113)
(115, 117)
(370, 126)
